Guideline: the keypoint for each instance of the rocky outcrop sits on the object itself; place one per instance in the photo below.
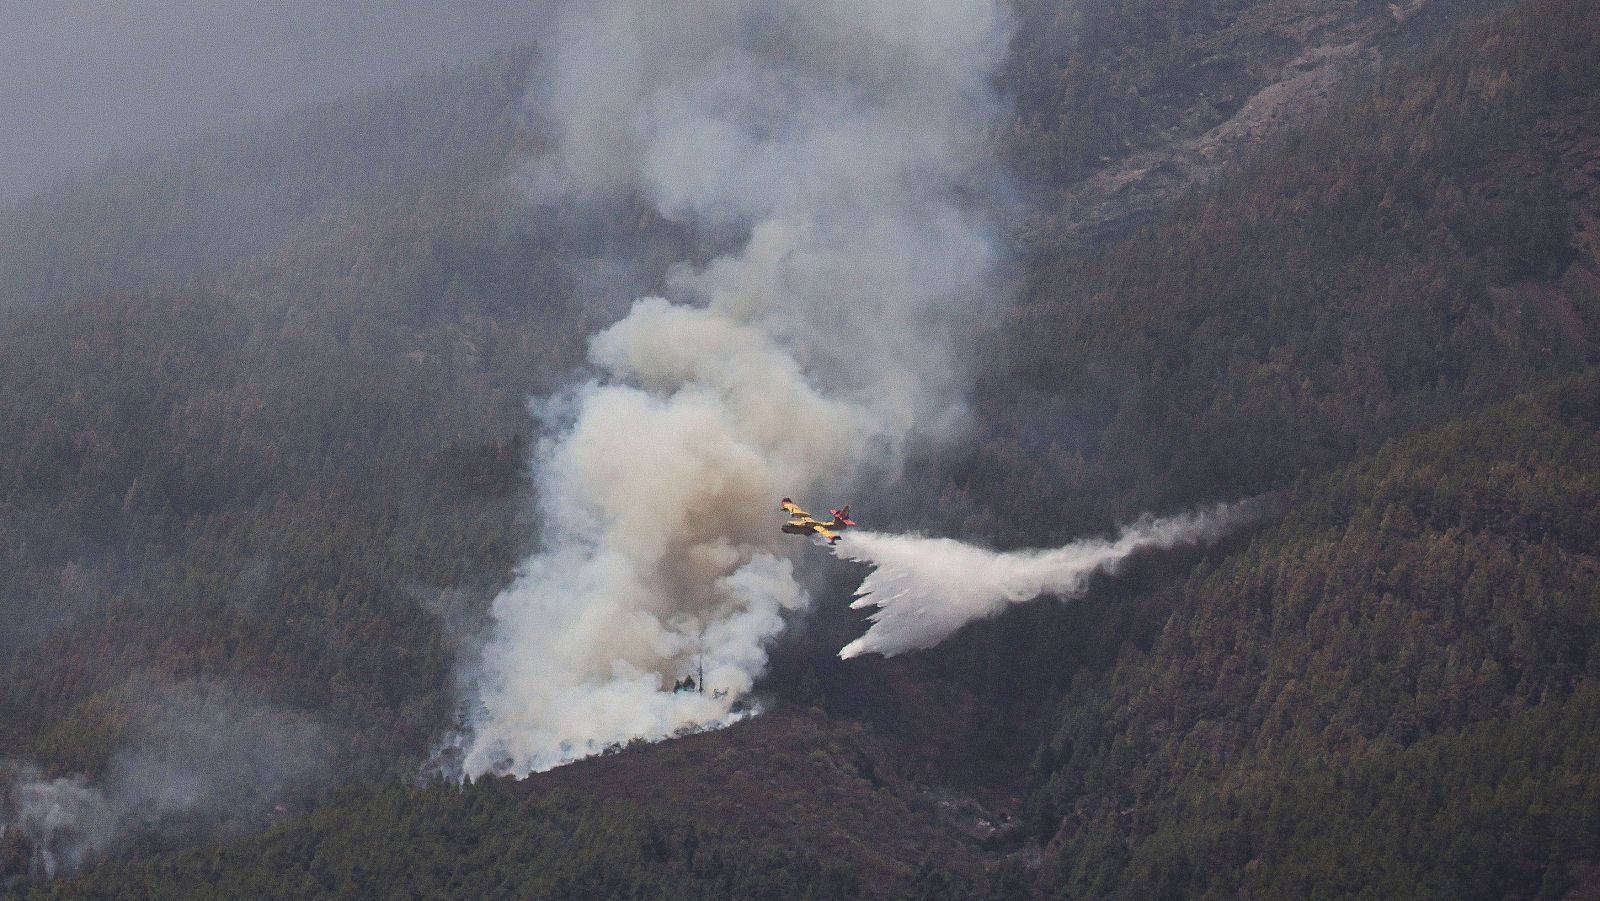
(1232, 89)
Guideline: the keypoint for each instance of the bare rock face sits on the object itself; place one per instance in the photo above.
(1137, 123)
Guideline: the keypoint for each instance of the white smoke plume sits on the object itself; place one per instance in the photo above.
(924, 589)
(205, 762)
(840, 145)
(65, 821)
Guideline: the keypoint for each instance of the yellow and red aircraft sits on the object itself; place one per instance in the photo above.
(804, 523)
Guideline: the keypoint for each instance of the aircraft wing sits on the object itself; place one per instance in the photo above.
(827, 533)
(793, 509)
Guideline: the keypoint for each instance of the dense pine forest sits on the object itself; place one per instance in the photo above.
(264, 466)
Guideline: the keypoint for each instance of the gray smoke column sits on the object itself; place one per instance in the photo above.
(840, 147)
(925, 589)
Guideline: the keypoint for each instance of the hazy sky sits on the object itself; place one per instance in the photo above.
(81, 79)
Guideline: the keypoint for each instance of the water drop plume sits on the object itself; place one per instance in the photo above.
(922, 590)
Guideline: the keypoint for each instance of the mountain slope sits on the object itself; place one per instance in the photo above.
(1346, 704)
(242, 190)
(1122, 106)
(790, 804)
(1425, 248)
(297, 471)
(489, 840)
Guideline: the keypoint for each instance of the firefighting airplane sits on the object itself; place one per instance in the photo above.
(804, 523)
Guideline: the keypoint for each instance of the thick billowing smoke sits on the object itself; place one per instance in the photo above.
(203, 761)
(925, 589)
(840, 146)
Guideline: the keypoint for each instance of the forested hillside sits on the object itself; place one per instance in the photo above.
(1425, 249)
(332, 602)
(1123, 105)
(780, 806)
(287, 481)
(264, 438)
(489, 840)
(1427, 246)
(1393, 692)
(411, 308)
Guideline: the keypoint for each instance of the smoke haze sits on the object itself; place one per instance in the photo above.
(925, 589)
(836, 145)
(86, 79)
(204, 762)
